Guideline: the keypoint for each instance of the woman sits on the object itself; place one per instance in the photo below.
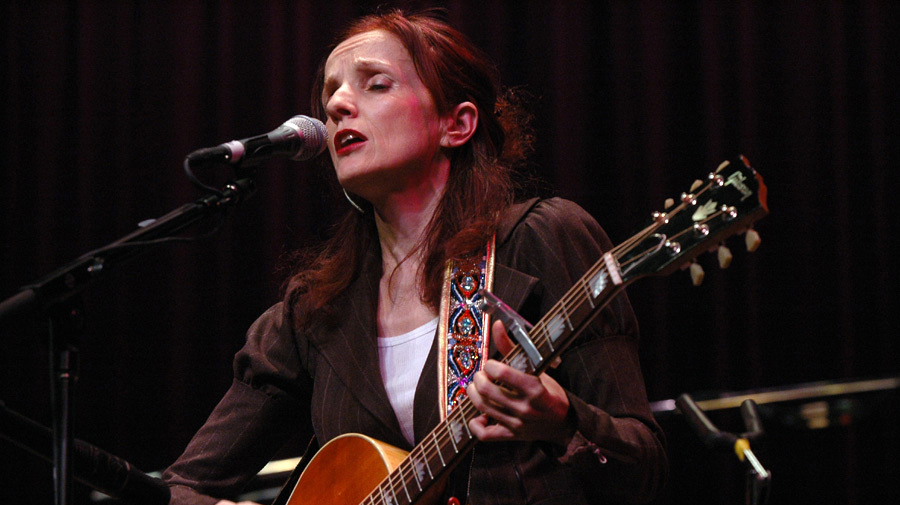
(423, 147)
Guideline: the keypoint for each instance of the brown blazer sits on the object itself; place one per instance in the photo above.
(326, 381)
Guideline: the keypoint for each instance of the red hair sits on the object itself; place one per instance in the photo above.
(480, 184)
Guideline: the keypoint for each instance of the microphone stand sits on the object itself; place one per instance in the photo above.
(91, 465)
(759, 479)
(56, 297)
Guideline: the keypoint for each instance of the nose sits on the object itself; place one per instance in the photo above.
(340, 104)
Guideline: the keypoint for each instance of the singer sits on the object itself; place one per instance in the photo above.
(376, 334)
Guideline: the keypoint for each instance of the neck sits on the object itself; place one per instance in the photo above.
(402, 217)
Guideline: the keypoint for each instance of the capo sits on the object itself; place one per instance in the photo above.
(516, 325)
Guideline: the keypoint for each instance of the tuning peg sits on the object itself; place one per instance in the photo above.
(752, 240)
(722, 166)
(697, 274)
(724, 256)
(669, 203)
(697, 183)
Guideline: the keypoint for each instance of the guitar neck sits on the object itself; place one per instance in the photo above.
(443, 448)
(440, 451)
(730, 201)
(568, 317)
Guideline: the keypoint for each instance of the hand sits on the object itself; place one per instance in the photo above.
(516, 405)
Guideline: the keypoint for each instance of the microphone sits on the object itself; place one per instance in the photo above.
(300, 138)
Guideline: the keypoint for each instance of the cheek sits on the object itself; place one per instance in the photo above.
(421, 123)
(331, 129)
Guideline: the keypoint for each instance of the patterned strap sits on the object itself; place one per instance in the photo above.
(463, 330)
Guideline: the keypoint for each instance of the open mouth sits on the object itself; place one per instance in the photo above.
(347, 138)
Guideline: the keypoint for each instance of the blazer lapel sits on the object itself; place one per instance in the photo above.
(352, 350)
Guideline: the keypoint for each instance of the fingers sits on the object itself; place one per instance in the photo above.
(507, 386)
(501, 338)
(507, 399)
(503, 374)
(492, 399)
(486, 430)
(517, 406)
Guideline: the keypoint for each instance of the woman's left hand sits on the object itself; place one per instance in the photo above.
(516, 405)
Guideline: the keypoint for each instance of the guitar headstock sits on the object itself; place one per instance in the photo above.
(726, 203)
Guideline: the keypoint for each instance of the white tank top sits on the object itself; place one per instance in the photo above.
(401, 359)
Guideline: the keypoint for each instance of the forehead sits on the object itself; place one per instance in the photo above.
(376, 47)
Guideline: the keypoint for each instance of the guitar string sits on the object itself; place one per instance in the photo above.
(579, 294)
(577, 297)
(429, 453)
(466, 409)
(438, 440)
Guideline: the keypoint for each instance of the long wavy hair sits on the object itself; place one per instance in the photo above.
(480, 185)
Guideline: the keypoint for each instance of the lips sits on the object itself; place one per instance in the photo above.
(347, 140)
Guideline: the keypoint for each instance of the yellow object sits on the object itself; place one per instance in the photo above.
(740, 446)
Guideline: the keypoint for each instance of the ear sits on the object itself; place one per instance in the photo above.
(460, 125)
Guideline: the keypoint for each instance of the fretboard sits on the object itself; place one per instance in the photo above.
(443, 448)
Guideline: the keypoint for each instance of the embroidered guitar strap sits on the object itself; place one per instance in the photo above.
(463, 330)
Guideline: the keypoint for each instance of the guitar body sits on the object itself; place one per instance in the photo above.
(347, 469)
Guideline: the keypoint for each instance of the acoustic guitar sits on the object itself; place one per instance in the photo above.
(355, 469)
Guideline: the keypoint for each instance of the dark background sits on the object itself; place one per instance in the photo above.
(633, 100)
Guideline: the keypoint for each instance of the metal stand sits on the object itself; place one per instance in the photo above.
(759, 479)
(66, 326)
(55, 296)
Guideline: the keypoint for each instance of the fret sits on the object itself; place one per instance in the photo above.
(403, 483)
(458, 424)
(393, 487)
(438, 447)
(450, 432)
(599, 282)
(579, 312)
(385, 498)
(518, 361)
(414, 471)
(465, 424)
(555, 327)
(547, 351)
(549, 342)
(543, 328)
(586, 291)
(423, 461)
(566, 316)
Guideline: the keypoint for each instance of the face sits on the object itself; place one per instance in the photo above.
(384, 130)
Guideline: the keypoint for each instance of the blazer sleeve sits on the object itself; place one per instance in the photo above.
(266, 404)
(618, 449)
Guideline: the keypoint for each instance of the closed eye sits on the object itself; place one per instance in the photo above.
(378, 82)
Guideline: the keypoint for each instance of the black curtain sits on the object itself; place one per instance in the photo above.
(633, 100)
